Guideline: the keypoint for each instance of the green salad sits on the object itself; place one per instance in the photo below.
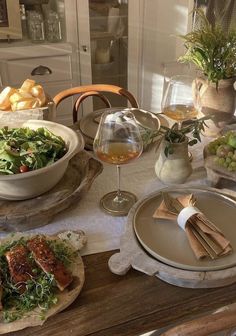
(24, 149)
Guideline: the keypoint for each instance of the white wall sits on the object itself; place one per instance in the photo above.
(162, 22)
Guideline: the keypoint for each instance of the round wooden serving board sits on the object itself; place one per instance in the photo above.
(38, 211)
(65, 298)
(133, 255)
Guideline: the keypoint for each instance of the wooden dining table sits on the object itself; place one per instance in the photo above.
(130, 304)
(112, 305)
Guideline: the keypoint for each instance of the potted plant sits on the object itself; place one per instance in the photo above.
(173, 165)
(213, 51)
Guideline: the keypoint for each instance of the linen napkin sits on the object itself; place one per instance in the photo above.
(196, 222)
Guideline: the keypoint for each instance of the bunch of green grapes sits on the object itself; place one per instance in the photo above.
(225, 153)
(214, 145)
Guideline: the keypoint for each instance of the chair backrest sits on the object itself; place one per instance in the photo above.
(211, 324)
(93, 90)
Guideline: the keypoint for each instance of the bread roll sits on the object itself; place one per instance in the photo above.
(38, 92)
(5, 95)
(27, 97)
(19, 96)
(27, 85)
(26, 103)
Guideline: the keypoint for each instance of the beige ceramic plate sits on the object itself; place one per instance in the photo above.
(167, 242)
(89, 124)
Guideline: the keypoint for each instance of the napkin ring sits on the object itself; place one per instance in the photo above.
(185, 214)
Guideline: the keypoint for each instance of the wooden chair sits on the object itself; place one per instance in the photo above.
(93, 90)
(219, 323)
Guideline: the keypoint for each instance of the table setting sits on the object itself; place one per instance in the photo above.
(141, 217)
(125, 206)
(152, 192)
(172, 259)
(145, 168)
(195, 252)
(105, 232)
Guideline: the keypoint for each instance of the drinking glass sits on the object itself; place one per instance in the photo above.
(118, 141)
(180, 101)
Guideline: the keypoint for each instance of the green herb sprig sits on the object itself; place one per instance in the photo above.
(40, 292)
(174, 135)
(62, 251)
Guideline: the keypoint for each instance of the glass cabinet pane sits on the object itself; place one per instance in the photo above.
(109, 43)
(37, 21)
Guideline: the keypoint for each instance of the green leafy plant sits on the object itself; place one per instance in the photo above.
(191, 132)
(211, 49)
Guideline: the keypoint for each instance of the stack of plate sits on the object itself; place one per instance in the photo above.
(147, 120)
(167, 242)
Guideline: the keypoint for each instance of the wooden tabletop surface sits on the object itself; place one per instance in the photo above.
(129, 305)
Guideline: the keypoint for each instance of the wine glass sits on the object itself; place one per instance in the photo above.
(118, 141)
(181, 101)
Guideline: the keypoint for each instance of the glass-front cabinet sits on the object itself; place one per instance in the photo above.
(109, 44)
(40, 44)
(61, 44)
(24, 22)
(109, 39)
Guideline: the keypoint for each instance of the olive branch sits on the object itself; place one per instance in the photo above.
(192, 132)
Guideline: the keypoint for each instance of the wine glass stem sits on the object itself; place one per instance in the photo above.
(179, 125)
(119, 197)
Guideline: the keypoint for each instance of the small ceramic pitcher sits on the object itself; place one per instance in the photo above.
(174, 168)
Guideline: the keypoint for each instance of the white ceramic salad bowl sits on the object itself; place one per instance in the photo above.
(36, 182)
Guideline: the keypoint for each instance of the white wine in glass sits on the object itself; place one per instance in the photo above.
(180, 102)
(118, 141)
(180, 112)
(118, 153)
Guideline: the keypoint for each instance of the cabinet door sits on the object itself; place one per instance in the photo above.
(109, 46)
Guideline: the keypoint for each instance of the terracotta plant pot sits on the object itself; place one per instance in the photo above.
(219, 103)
